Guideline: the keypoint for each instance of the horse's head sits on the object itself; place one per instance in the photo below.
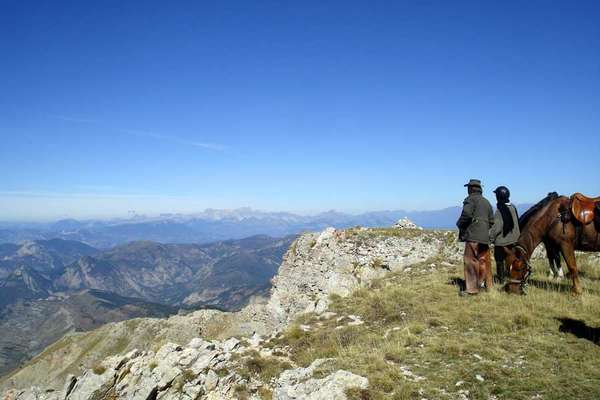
(519, 272)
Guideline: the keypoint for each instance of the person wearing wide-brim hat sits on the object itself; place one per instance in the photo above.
(474, 229)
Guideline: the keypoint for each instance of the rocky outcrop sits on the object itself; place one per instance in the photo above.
(157, 366)
(77, 352)
(173, 372)
(200, 370)
(299, 384)
(405, 223)
(339, 261)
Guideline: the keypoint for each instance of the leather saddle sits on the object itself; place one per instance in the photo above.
(584, 208)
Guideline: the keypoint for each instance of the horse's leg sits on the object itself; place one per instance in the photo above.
(553, 254)
(557, 263)
(568, 253)
(550, 255)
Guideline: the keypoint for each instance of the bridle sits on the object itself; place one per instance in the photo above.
(524, 272)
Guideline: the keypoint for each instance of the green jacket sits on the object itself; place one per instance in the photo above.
(476, 219)
(496, 236)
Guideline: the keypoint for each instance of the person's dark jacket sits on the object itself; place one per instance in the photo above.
(476, 219)
(496, 235)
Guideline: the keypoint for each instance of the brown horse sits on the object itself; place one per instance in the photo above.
(552, 222)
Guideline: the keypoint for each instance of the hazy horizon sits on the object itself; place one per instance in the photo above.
(132, 214)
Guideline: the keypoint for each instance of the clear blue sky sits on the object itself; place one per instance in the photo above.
(302, 106)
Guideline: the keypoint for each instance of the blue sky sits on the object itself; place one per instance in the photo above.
(112, 106)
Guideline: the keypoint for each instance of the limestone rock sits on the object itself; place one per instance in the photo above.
(299, 384)
(338, 262)
(33, 393)
(405, 223)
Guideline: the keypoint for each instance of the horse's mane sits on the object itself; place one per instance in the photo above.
(526, 217)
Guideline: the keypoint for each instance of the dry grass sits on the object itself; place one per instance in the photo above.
(241, 392)
(494, 345)
(448, 236)
(265, 393)
(264, 368)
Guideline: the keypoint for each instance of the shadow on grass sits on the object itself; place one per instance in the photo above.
(580, 329)
(587, 275)
(460, 282)
(557, 286)
(562, 286)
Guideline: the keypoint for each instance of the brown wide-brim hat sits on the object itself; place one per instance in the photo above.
(473, 182)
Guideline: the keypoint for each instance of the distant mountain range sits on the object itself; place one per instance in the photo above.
(214, 225)
(51, 287)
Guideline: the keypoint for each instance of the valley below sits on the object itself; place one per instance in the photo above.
(49, 288)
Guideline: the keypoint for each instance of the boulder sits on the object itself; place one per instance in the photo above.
(405, 223)
(299, 384)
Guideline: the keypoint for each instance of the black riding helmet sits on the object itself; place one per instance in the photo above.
(502, 193)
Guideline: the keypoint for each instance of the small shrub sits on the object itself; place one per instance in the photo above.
(99, 369)
(521, 321)
(393, 357)
(294, 247)
(265, 393)
(264, 367)
(188, 375)
(178, 384)
(348, 335)
(417, 328)
(241, 392)
(359, 394)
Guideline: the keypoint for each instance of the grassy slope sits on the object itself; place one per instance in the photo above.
(514, 343)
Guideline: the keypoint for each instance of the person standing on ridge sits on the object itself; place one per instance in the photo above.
(474, 229)
(505, 231)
